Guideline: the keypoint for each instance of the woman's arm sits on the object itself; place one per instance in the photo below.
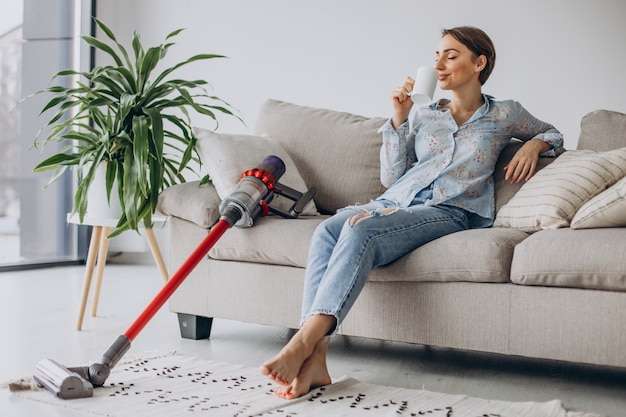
(402, 103)
(524, 163)
(540, 139)
(397, 152)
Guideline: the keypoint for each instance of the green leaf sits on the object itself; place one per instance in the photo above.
(66, 73)
(146, 64)
(111, 174)
(194, 58)
(157, 131)
(105, 29)
(130, 189)
(187, 155)
(156, 182)
(124, 77)
(174, 33)
(141, 151)
(91, 41)
(109, 33)
(126, 105)
(54, 161)
(124, 224)
(84, 181)
(54, 102)
(205, 180)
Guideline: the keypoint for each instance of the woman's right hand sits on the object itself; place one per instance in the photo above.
(402, 102)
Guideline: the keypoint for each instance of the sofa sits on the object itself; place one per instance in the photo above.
(544, 282)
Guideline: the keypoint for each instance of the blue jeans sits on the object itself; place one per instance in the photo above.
(342, 255)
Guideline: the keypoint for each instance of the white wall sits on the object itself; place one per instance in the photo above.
(559, 58)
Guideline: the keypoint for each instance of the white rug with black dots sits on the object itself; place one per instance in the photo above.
(174, 385)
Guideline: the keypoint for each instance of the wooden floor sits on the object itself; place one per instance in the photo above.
(38, 313)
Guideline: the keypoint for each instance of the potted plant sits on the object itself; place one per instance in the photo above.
(131, 124)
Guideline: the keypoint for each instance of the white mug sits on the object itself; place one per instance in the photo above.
(424, 88)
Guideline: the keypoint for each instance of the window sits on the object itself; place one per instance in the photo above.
(10, 79)
(37, 39)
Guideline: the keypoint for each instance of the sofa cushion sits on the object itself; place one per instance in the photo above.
(552, 196)
(481, 255)
(336, 152)
(589, 258)
(272, 240)
(476, 255)
(602, 130)
(192, 202)
(608, 209)
(226, 156)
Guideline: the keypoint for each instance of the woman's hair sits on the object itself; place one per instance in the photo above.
(479, 43)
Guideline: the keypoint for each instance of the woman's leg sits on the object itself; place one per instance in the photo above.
(366, 240)
(321, 248)
(376, 239)
(286, 365)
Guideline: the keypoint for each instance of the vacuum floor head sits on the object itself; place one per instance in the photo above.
(61, 381)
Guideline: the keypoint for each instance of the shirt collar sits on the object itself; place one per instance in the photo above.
(482, 110)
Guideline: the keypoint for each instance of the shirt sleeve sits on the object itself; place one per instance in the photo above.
(528, 127)
(397, 154)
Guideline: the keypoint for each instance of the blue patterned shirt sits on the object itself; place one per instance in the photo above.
(456, 162)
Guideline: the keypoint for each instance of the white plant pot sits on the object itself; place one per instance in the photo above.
(97, 204)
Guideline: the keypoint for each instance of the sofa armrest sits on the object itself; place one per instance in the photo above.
(190, 201)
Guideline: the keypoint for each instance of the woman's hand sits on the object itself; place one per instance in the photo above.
(402, 103)
(524, 163)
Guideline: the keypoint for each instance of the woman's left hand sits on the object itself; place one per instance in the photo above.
(524, 163)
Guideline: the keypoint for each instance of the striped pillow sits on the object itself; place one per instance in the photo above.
(608, 209)
(553, 195)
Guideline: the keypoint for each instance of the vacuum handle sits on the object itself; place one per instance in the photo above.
(301, 200)
(304, 200)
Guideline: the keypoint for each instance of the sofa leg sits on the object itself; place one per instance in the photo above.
(194, 327)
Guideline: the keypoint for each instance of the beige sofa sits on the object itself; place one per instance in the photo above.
(558, 293)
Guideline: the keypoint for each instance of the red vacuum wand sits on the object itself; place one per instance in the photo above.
(250, 200)
(247, 203)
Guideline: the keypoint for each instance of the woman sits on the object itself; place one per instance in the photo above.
(437, 163)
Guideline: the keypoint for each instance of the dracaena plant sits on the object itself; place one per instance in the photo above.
(133, 121)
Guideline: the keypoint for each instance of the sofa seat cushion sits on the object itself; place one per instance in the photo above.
(273, 240)
(586, 258)
(477, 255)
(480, 255)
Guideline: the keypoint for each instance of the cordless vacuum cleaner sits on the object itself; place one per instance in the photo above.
(250, 200)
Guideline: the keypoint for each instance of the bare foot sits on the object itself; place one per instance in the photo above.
(313, 374)
(285, 366)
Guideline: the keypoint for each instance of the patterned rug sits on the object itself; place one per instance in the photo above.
(157, 385)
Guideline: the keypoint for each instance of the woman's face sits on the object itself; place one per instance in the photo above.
(457, 65)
